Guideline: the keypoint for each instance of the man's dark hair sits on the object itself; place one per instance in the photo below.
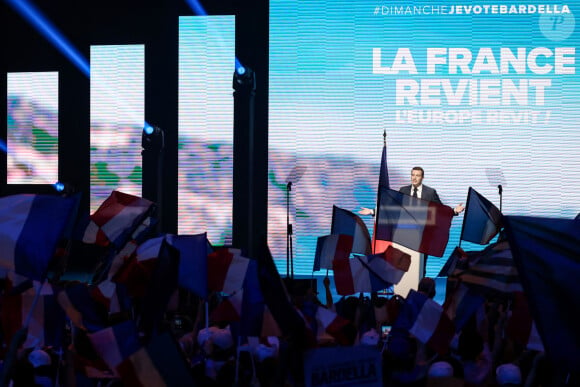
(419, 169)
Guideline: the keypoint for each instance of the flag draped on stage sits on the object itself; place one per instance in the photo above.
(482, 220)
(378, 244)
(418, 224)
(546, 252)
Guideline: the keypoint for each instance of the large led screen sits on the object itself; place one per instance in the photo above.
(205, 154)
(32, 128)
(479, 94)
(117, 120)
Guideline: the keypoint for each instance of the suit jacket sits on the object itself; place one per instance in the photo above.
(428, 193)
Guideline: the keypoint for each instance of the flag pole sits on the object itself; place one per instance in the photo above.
(377, 204)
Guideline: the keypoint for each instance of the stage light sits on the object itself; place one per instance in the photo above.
(244, 78)
(152, 138)
(51, 33)
(64, 188)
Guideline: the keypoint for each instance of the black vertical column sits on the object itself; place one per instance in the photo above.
(161, 110)
(251, 133)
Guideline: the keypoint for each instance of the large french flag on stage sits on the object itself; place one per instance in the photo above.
(379, 245)
(116, 219)
(30, 228)
(420, 225)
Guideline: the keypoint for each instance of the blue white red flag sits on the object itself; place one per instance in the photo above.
(116, 219)
(370, 273)
(379, 245)
(116, 343)
(193, 251)
(30, 228)
(329, 248)
(482, 219)
(47, 319)
(546, 252)
(425, 319)
(226, 270)
(420, 225)
(347, 223)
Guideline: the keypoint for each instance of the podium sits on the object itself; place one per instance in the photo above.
(412, 277)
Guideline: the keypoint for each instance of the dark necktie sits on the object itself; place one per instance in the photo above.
(415, 192)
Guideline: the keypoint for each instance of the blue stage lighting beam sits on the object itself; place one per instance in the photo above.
(198, 9)
(51, 33)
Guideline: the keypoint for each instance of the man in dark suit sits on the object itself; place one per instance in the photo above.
(419, 190)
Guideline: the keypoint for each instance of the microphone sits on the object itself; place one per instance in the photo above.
(500, 188)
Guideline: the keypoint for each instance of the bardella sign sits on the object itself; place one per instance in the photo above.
(343, 366)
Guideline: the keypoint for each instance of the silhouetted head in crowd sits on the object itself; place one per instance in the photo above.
(427, 287)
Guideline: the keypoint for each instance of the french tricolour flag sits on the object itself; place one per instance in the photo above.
(30, 228)
(331, 323)
(116, 343)
(116, 219)
(137, 270)
(461, 304)
(425, 319)
(418, 224)
(226, 269)
(521, 327)
(369, 273)
(46, 319)
(331, 247)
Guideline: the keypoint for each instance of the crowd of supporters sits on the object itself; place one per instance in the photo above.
(480, 354)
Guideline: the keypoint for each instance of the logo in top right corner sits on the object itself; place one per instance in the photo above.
(557, 27)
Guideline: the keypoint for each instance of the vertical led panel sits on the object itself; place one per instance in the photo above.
(117, 120)
(32, 128)
(205, 158)
(477, 94)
